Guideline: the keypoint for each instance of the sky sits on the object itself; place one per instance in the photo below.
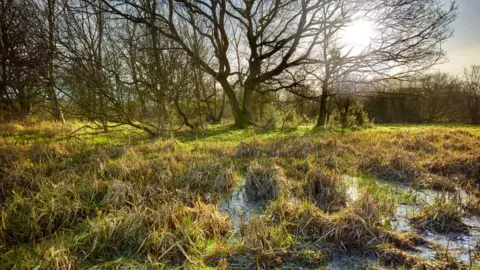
(463, 48)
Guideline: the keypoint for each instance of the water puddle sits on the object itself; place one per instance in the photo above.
(239, 207)
(352, 191)
(462, 246)
(350, 260)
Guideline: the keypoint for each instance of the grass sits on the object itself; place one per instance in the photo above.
(125, 200)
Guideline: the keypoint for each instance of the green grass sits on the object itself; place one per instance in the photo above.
(125, 199)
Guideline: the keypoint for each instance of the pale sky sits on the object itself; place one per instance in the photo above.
(463, 48)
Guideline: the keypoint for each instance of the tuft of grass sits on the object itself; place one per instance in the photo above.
(397, 167)
(326, 189)
(208, 176)
(209, 219)
(121, 194)
(443, 216)
(437, 182)
(121, 232)
(27, 219)
(264, 181)
(58, 258)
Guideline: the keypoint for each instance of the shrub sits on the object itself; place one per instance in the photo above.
(354, 117)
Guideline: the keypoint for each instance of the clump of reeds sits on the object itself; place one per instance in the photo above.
(252, 148)
(137, 169)
(455, 164)
(208, 176)
(264, 181)
(351, 228)
(256, 235)
(20, 181)
(121, 194)
(209, 219)
(117, 232)
(436, 182)
(397, 258)
(397, 167)
(367, 208)
(443, 216)
(225, 179)
(30, 218)
(326, 189)
(58, 258)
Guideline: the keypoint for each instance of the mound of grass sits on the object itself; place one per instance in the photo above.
(27, 219)
(252, 148)
(207, 176)
(121, 232)
(442, 216)
(209, 219)
(455, 164)
(121, 194)
(135, 168)
(264, 181)
(397, 167)
(326, 189)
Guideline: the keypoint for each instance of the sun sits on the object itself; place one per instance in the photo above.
(359, 34)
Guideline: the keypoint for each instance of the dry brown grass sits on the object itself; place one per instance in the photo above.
(326, 189)
(58, 258)
(443, 216)
(209, 219)
(27, 219)
(396, 166)
(265, 181)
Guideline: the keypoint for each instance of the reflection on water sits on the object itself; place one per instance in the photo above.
(462, 246)
(239, 207)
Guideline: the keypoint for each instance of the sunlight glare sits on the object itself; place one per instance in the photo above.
(359, 33)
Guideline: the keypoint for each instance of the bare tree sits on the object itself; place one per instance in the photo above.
(275, 36)
(52, 92)
(22, 56)
(403, 42)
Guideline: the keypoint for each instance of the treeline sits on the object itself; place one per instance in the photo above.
(161, 65)
(438, 97)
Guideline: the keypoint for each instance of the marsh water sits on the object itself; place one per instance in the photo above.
(462, 246)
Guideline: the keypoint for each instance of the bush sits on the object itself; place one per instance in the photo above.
(354, 117)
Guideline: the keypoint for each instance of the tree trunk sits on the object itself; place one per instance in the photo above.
(56, 109)
(99, 64)
(222, 108)
(322, 114)
(162, 108)
(241, 119)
